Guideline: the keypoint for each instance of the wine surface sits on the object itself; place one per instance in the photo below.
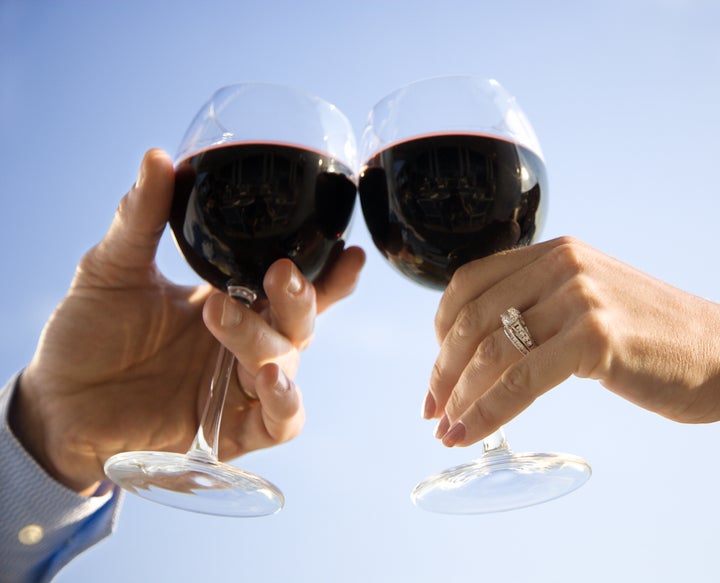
(436, 202)
(239, 208)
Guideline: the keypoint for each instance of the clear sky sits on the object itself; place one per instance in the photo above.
(624, 97)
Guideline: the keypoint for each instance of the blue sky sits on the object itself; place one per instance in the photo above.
(623, 95)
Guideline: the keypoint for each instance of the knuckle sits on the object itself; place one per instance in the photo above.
(459, 281)
(438, 377)
(580, 291)
(467, 321)
(568, 257)
(476, 373)
(516, 382)
(594, 323)
(456, 405)
(569, 240)
(261, 338)
(487, 354)
(594, 332)
(122, 209)
(443, 381)
(443, 321)
(484, 421)
(251, 342)
(88, 261)
(304, 343)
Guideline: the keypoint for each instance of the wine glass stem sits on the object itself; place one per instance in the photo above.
(495, 443)
(205, 444)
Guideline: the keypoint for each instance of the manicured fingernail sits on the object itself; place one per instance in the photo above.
(455, 435)
(231, 314)
(295, 284)
(442, 427)
(429, 406)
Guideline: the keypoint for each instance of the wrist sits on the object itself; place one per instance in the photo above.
(27, 425)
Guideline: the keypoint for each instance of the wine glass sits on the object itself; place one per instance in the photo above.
(452, 171)
(264, 172)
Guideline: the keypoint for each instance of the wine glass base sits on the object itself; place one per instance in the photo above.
(498, 482)
(197, 484)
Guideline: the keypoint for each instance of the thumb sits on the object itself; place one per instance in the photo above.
(132, 239)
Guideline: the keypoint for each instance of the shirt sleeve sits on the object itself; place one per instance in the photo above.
(44, 525)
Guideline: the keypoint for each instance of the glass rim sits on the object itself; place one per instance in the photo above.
(344, 149)
(518, 128)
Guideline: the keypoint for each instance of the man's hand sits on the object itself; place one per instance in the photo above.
(125, 361)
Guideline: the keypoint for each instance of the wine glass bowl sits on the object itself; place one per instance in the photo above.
(437, 201)
(452, 171)
(250, 204)
(264, 172)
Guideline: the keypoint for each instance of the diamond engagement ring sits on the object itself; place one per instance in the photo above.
(516, 330)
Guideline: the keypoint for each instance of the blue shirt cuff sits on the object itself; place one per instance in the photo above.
(44, 524)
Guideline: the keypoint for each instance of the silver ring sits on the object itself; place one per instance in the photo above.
(516, 330)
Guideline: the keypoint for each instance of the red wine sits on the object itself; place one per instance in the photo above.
(239, 208)
(436, 202)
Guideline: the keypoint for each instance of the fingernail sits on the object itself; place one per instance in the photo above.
(231, 314)
(295, 284)
(429, 406)
(283, 383)
(455, 435)
(442, 427)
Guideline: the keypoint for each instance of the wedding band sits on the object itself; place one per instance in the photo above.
(248, 395)
(516, 330)
(248, 399)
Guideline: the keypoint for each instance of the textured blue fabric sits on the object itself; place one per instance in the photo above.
(28, 496)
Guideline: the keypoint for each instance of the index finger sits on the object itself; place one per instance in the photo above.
(249, 337)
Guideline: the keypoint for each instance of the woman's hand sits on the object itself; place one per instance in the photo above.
(589, 315)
